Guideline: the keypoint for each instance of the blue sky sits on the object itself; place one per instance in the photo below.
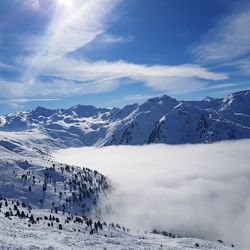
(58, 53)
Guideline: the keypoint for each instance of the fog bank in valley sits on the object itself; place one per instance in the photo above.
(199, 189)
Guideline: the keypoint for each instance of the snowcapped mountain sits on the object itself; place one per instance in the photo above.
(158, 120)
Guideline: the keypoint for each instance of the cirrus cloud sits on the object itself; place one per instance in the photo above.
(228, 41)
(48, 68)
(73, 77)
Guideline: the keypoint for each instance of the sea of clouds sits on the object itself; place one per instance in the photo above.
(201, 190)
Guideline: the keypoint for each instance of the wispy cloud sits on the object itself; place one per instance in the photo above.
(75, 77)
(85, 21)
(18, 103)
(5, 66)
(33, 5)
(52, 89)
(243, 65)
(24, 100)
(51, 71)
(110, 39)
(228, 40)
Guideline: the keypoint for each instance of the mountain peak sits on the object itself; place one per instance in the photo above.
(238, 102)
(208, 99)
(40, 109)
(155, 101)
(85, 110)
(164, 98)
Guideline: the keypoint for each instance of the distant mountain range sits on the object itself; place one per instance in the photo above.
(158, 120)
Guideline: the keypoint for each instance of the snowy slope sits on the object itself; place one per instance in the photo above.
(158, 120)
(21, 233)
(199, 125)
(30, 176)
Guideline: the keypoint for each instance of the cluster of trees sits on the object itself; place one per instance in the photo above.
(61, 188)
(117, 226)
(24, 211)
(168, 234)
(74, 188)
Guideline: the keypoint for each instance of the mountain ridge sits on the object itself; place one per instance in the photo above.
(158, 120)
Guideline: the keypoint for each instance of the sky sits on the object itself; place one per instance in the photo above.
(204, 193)
(59, 53)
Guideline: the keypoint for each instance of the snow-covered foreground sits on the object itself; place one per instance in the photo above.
(199, 190)
(17, 234)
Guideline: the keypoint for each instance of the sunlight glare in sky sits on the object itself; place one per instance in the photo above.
(65, 2)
